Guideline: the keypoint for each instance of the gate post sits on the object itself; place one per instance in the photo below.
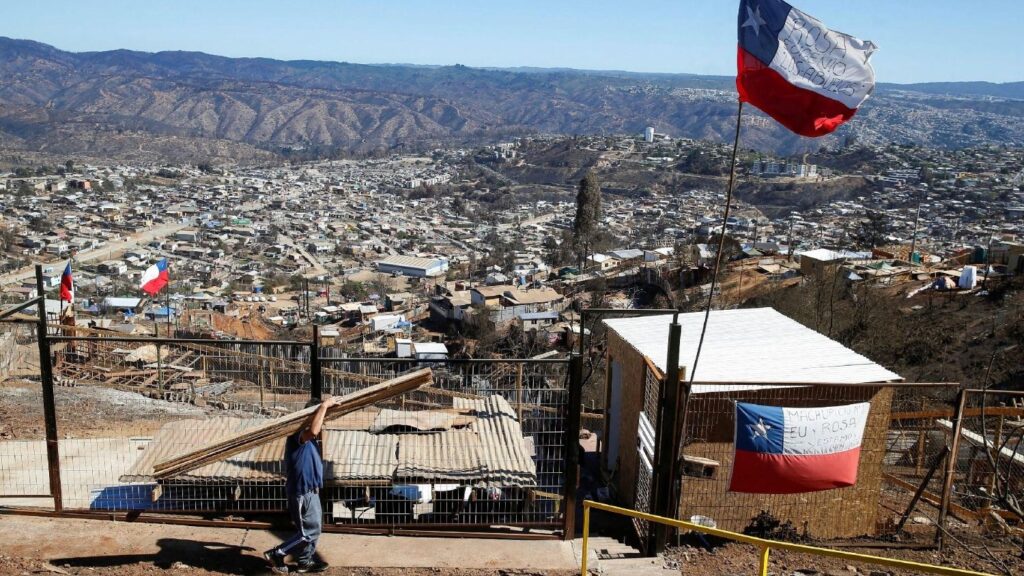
(316, 378)
(573, 408)
(950, 471)
(666, 440)
(49, 405)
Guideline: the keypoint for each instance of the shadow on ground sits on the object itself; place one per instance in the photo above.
(212, 556)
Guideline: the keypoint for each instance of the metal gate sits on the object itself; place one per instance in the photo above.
(646, 442)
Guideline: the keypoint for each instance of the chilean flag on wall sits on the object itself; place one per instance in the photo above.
(155, 278)
(67, 285)
(807, 77)
(792, 450)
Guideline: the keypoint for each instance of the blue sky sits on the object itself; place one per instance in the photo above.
(919, 40)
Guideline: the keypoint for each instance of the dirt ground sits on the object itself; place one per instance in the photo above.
(26, 566)
(86, 412)
(33, 545)
(742, 559)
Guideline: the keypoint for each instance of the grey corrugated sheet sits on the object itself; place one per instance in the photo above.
(359, 455)
(503, 450)
(263, 463)
(490, 452)
(453, 455)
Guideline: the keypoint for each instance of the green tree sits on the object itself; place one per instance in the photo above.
(588, 213)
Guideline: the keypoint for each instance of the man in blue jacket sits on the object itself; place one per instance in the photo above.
(305, 469)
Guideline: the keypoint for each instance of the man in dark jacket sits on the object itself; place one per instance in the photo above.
(305, 469)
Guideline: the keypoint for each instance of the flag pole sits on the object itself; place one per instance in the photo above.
(721, 240)
(167, 301)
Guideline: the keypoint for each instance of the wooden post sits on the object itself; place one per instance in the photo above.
(922, 488)
(159, 369)
(947, 484)
(49, 403)
(259, 380)
(571, 444)
(997, 442)
(666, 441)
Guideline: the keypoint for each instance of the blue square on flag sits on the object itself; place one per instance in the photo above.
(759, 428)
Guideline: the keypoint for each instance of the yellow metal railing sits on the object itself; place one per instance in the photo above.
(763, 545)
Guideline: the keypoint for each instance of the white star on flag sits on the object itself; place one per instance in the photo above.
(754, 20)
(759, 430)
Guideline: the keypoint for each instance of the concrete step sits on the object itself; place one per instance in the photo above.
(611, 557)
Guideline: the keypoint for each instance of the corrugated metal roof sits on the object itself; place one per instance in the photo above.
(502, 446)
(263, 463)
(411, 262)
(358, 455)
(757, 345)
(490, 451)
(453, 455)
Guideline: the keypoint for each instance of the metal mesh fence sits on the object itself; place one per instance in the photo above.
(24, 478)
(988, 476)
(260, 378)
(915, 456)
(484, 445)
(890, 469)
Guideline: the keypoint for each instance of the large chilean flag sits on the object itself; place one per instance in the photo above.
(792, 450)
(155, 278)
(67, 285)
(807, 77)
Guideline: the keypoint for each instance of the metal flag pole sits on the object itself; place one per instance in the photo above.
(167, 300)
(721, 240)
(676, 400)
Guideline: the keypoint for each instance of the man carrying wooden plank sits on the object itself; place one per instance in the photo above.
(305, 470)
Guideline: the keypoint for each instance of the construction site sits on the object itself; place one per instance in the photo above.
(174, 433)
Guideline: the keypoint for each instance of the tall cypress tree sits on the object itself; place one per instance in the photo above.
(588, 213)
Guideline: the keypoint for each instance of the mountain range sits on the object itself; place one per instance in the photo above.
(190, 106)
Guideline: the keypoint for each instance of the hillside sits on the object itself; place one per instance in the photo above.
(71, 103)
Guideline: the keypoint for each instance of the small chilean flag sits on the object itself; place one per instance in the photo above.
(67, 285)
(807, 77)
(154, 278)
(792, 450)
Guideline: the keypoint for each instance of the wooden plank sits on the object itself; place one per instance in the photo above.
(653, 368)
(961, 513)
(1005, 453)
(289, 424)
(125, 373)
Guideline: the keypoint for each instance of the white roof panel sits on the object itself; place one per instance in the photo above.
(755, 345)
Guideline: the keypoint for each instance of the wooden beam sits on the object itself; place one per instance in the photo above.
(281, 427)
(961, 513)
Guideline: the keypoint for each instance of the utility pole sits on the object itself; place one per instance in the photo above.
(913, 239)
(789, 241)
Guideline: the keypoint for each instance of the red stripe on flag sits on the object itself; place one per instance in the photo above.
(759, 473)
(803, 111)
(155, 285)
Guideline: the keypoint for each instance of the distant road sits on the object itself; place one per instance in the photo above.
(543, 218)
(318, 268)
(110, 251)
